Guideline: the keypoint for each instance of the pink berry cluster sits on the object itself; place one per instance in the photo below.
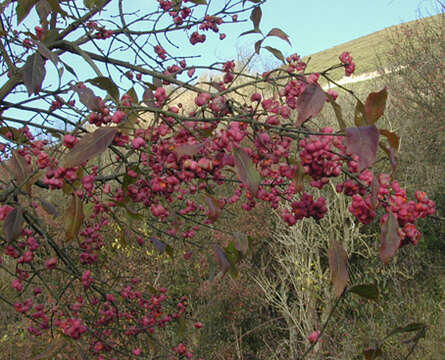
(318, 159)
(100, 32)
(346, 59)
(306, 207)
(295, 64)
(406, 211)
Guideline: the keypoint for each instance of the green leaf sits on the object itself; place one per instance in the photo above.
(90, 146)
(279, 33)
(360, 114)
(70, 69)
(92, 4)
(372, 353)
(13, 224)
(338, 264)
(23, 9)
(133, 95)
(214, 207)
(367, 291)
(250, 32)
(246, 170)
(258, 46)
(338, 112)
(74, 217)
(255, 16)
(106, 84)
(34, 73)
(56, 7)
(198, 2)
(275, 52)
(408, 328)
(241, 242)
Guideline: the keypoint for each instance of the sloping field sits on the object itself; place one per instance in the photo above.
(364, 50)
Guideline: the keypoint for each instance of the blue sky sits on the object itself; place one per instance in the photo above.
(314, 26)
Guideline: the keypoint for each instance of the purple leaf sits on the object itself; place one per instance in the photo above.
(158, 244)
(13, 224)
(310, 102)
(34, 73)
(390, 238)
(222, 259)
(90, 145)
(363, 142)
(87, 97)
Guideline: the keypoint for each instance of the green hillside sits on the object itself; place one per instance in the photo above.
(364, 50)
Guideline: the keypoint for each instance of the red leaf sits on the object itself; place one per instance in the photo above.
(279, 33)
(390, 238)
(338, 264)
(392, 156)
(90, 145)
(13, 224)
(246, 170)
(74, 218)
(310, 102)
(375, 106)
(34, 73)
(392, 137)
(222, 259)
(363, 142)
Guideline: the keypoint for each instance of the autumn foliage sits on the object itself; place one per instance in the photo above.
(98, 148)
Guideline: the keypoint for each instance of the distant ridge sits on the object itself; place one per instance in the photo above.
(364, 50)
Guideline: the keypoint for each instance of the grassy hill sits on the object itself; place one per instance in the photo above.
(364, 49)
